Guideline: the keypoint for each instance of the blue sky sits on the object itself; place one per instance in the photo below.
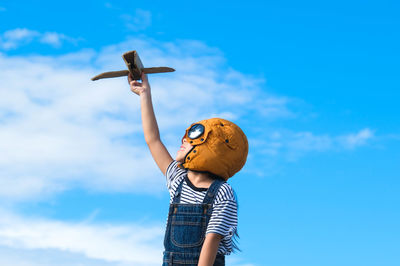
(314, 85)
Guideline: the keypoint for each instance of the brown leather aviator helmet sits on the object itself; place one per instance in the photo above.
(219, 147)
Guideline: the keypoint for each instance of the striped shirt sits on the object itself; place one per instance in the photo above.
(223, 219)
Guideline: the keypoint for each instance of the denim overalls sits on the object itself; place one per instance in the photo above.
(186, 229)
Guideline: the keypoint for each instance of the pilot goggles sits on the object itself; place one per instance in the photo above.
(196, 134)
(195, 131)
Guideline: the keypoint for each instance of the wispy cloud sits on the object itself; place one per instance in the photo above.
(65, 130)
(139, 20)
(360, 138)
(12, 39)
(237, 261)
(57, 119)
(48, 257)
(59, 130)
(33, 241)
(293, 145)
(95, 244)
(56, 39)
(108, 5)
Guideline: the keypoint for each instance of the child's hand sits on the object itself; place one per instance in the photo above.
(139, 87)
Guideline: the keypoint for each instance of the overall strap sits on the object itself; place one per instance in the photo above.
(212, 191)
(178, 192)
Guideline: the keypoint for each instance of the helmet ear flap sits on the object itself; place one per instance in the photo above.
(231, 141)
(231, 145)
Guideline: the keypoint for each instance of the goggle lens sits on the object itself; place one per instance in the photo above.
(196, 131)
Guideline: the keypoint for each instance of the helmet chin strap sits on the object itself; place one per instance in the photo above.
(187, 155)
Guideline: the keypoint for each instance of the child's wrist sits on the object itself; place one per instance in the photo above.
(144, 93)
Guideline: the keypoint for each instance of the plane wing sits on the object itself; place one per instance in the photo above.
(135, 67)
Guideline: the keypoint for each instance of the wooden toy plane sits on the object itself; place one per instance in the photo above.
(135, 67)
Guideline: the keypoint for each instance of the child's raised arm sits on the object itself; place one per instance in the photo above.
(150, 128)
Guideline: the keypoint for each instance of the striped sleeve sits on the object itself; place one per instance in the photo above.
(173, 175)
(223, 219)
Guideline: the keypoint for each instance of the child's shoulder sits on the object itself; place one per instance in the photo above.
(226, 193)
(174, 169)
(174, 175)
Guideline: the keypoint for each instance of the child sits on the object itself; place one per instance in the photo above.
(203, 210)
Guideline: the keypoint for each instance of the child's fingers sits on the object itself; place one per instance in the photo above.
(144, 78)
(136, 83)
(130, 78)
(134, 88)
(135, 91)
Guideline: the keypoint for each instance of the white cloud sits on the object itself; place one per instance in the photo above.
(20, 34)
(352, 141)
(58, 129)
(57, 126)
(84, 243)
(236, 260)
(307, 141)
(140, 20)
(293, 145)
(47, 257)
(55, 39)
(12, 39)
(108, 5)
(32, 241)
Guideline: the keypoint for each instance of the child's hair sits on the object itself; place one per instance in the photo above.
(235, 237)
(215, 177)
(219, 147)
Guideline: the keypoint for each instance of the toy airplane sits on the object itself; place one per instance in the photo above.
(135, 67)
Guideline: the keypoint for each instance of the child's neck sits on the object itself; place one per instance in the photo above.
(200, 180)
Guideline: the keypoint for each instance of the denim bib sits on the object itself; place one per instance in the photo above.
(186, 229)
